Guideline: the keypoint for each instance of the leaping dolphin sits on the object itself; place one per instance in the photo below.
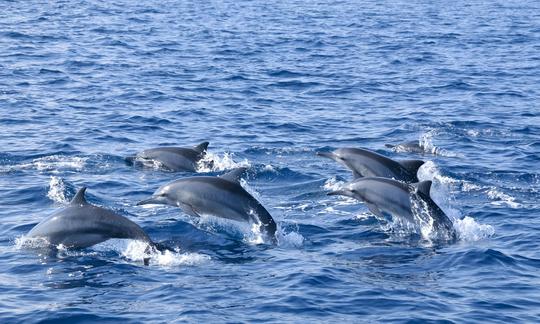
(172, 158)
(81, 225)
(387, 198)
(365, 163)
(221, 196)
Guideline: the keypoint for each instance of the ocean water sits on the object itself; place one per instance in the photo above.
(83, 84)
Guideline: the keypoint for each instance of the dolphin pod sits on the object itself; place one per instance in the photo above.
(388, 198)
(365, 163)
(172, 158)
(217, 196)
(386, 186)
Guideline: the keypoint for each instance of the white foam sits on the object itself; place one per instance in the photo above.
(213, 162)
(57, 190)
(430, 171)
(55, 163)
(500, 198)
(137, 251)
(469, 230)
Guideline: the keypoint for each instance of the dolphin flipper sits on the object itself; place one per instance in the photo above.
(234, 175)
(375, 210)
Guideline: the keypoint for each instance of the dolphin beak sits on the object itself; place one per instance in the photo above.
(338, 193)
(329, 155)
(152, 200)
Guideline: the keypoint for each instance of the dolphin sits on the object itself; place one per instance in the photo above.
(365, 163)
(81, 225)
(221, 196)
(387, 198)
(172, 158)
(411, 146)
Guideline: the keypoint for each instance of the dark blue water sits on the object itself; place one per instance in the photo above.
(84, 84)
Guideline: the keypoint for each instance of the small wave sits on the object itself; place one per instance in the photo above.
(57, 189)
(214, 162)
(430, 171)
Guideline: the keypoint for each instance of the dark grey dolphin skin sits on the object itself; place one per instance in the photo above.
(390, 198)
(82, 225)
(173, 158)
(365, 163)
(412, 146)
(218, 196)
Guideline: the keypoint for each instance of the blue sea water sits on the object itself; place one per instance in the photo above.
(84, 84)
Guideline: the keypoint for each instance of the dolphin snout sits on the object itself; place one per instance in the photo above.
(329, 155)
(151, 200)
(337, 193)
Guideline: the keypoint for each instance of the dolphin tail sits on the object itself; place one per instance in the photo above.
(411, 166)
(234, 175)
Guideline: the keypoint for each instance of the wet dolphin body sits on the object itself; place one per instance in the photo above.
(217, 196)
(172, 158)
(388, 198)
(365, 163)
(82, 225)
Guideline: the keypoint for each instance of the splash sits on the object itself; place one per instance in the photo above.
(214, 162)
(25, 242)
(57, 188)
(137, 251)
(149, 163)
(333, 184)
(292, 239)
(469, 230)
(426, 142)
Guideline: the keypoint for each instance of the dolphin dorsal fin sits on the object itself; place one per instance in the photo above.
(234, 175)
(201, 147)
(423, 187)
(411, 166)
(79, 197)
